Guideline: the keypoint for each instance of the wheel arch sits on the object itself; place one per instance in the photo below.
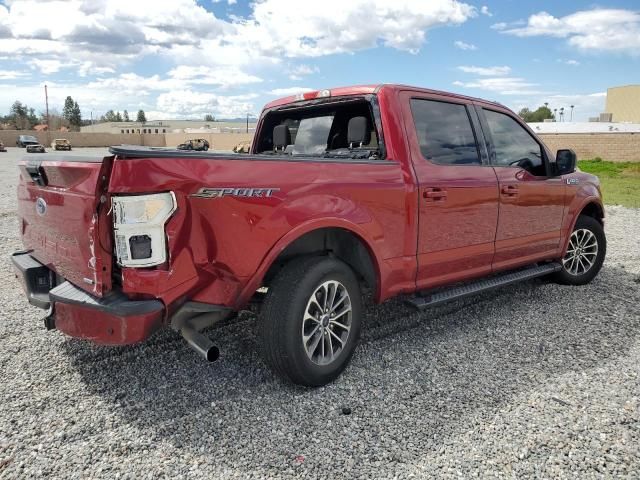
(592, 209)
(337, 238)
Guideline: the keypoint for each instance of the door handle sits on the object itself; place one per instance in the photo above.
(510, 190)
(434, 194)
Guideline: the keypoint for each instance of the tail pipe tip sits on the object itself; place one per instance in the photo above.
(200, 343)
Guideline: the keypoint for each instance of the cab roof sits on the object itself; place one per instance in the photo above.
(357, 90)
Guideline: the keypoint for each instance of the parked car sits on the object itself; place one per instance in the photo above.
(242, 147)
(2, 147)
(392, 190)
(61, 144)
(37, 148)
(24, 140)
(198, 144)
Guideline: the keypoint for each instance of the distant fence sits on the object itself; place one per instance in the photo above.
(218, 141)
(615, 147)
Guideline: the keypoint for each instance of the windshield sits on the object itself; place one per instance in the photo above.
(29, 138)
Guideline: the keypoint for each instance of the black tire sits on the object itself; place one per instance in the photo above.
(282, 324)
(564, 276)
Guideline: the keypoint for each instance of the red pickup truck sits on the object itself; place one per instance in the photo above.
(393, 189)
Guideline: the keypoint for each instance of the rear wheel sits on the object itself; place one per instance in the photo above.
(310, 320)
(585, 253)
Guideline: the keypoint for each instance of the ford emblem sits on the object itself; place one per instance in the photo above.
(41, 206)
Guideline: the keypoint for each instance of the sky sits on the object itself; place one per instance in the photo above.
(187, 58)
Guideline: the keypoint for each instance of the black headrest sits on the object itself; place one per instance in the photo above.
(358, 131)
(281, 136)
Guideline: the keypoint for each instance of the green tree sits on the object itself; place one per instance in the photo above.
(109, 116)
(32, 117)
(540, 115)
(118, 117)
(76, 116)
(67, 111)
(125, 116)
(142, 118)
(20, 116)
(209, 118)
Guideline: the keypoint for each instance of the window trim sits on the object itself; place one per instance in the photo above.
(491, 147)
(466, 106)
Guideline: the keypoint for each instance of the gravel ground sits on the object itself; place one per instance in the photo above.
(535, 380)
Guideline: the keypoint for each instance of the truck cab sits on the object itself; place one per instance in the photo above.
(389, 189)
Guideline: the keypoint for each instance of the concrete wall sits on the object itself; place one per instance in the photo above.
(78, 139)
(615, 147)
(218, 141)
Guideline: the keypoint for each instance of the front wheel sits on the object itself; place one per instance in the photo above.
(310, 320)
(585, 253)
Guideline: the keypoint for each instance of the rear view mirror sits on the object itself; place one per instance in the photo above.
(565, 162)
(358, 132)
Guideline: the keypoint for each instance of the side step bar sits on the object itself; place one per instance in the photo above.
(429, 300)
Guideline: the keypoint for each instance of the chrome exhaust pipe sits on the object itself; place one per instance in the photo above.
(200, 343)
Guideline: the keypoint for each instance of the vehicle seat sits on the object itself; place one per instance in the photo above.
(358, 132)
(281, 138)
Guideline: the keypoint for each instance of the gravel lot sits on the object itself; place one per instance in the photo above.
(535, 380)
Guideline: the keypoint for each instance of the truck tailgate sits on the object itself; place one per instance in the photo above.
(63, 221)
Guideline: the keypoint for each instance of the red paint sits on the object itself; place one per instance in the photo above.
(425, 225)
(99, 327)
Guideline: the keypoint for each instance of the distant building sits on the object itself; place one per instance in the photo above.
(168, 126)
(584, 127)
(623, 104)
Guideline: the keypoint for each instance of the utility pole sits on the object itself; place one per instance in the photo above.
(247, 122)
(46, 102)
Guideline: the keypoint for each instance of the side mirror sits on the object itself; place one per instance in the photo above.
(566, 162)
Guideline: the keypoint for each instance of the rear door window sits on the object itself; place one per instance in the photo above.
(444, 131)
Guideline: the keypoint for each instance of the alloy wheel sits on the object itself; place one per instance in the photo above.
(327, 322)
(582, 252)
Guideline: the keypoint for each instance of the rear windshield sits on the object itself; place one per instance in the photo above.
(320, 130)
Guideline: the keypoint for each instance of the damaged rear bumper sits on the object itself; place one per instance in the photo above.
(110, 320)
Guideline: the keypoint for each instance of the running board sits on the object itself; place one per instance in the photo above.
(429, 300)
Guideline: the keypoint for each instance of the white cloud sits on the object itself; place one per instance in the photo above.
(485, 11)
(12, 75)
(464, 46)
(600, 29)
(285, 92)
(571, 62)
(282, 27)
(121, 29)
(105, 40)
(203, 75)
(486, 71)
(502, 85)
(300, 71)
(188, 103)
